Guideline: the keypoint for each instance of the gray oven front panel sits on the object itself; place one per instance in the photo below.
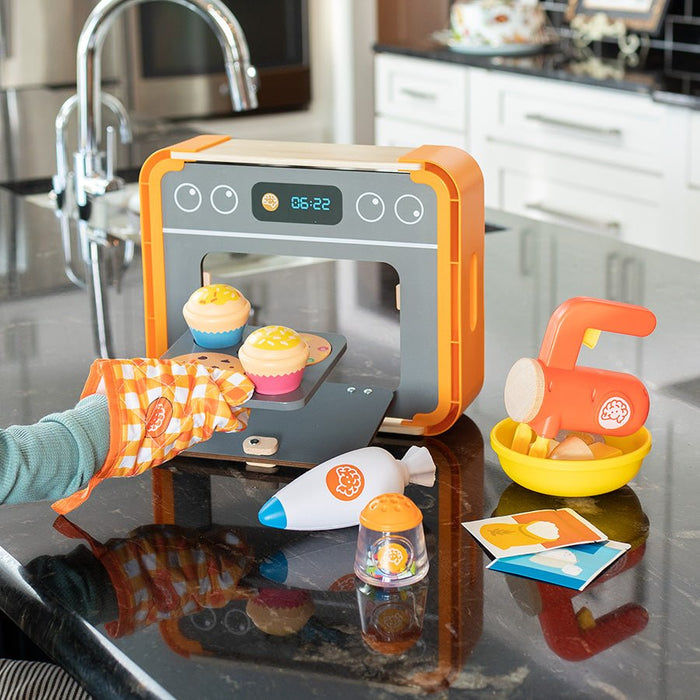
(208, 208)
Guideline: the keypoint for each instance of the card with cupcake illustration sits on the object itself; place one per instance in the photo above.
(573, 567)
(533, 532)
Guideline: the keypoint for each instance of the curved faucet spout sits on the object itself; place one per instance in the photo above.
(240, 73)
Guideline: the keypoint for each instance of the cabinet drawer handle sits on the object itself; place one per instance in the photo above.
(607, 226)
(610, 132)
(418, 94)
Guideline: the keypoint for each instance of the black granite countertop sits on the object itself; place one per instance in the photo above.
(557, 63)
(465, 632)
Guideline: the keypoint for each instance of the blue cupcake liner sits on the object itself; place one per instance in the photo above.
(214, 341)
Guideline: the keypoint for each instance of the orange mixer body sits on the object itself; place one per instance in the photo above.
(552, 393)
(590, 400)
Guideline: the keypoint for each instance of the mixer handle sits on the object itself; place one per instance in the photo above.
(572, 322)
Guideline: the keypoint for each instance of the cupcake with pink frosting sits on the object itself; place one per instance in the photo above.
(274, 358)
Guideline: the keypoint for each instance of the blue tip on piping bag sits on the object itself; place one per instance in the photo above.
(272, 514)
(333, 494)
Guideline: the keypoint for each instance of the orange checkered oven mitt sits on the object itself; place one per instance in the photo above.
(157, 409)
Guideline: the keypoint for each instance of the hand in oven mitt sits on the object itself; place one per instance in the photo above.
(157, 409)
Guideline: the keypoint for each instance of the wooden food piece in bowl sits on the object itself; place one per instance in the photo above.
(602, 450)
(522, 438)
(572, 448)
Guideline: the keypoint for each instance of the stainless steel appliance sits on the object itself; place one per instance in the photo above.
(174, 62)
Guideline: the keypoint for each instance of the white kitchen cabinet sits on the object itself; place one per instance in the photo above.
(597, 198)
(586, 157)
(601, 160)
(588, 123)
(419, 101)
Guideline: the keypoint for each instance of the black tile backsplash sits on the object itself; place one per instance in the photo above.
(675, 49)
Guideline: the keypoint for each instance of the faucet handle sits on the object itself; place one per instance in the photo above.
(253, 77)
(112, 182)
(119, 111)
(110, 153)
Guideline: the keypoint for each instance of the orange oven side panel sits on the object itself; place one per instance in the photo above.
(459, 185)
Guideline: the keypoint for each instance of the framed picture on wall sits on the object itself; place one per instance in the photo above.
(637, 15)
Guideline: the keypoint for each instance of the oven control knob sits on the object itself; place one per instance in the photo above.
(224, 199)
(188, 198)
(370, 207)
(408, 209)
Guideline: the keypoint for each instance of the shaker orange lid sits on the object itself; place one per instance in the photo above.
(391, 512)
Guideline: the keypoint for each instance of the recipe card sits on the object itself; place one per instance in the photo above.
(533, 532)
(573, 567)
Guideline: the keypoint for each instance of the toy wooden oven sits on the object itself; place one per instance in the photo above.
(419, 211)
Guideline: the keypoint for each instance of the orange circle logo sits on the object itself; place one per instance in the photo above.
(392, 558)
(614, 413)
(158, 415)
(345, 482)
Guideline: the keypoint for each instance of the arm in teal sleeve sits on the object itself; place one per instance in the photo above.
(56, 456)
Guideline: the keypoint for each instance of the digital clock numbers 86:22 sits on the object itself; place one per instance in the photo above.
(314, 203)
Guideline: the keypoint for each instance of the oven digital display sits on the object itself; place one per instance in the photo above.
(285, 202)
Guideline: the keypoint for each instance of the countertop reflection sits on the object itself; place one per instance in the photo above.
(165, 585)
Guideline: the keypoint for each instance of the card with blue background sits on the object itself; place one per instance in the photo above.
(573, 567)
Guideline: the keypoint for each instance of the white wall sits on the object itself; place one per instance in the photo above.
(353, 28)
(341, 34)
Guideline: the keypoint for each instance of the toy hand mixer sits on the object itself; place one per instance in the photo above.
(553, 393)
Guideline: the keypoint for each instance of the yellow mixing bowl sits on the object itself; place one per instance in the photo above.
(561, 477)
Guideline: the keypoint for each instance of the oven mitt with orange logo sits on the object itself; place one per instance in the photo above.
(157, 409)
(166, 572)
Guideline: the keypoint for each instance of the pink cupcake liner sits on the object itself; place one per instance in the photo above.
(272, 385)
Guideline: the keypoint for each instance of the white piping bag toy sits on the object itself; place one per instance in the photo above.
(333, 494)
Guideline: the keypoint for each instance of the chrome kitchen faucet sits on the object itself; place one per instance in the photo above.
(94, 167)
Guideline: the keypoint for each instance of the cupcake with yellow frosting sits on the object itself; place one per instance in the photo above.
(274, 358)
(216, 315)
